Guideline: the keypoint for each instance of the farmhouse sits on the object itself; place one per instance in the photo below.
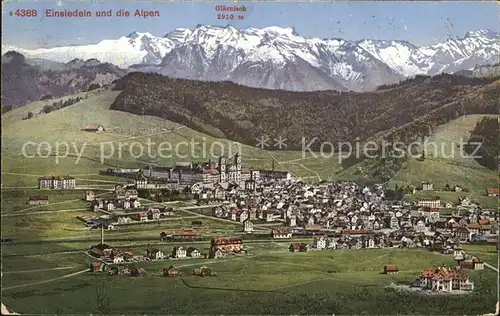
(427, 186)
(248, 226)
(391, 269)
(142, 216)
(275, 175)
(94, 128)
(193, 252)
(179, 252)
(38, 200)
(493, 192)
(472, 264)
(281, 233)
(89, 196)
(225, 245)
(119, 270)
(154, 214)
(155, 254)
(60, 182)
(97, 266)
(171, 271)
(136, 272)
(187, 234)
(303, 247)
(463, 234)
(203, 271)
(319, 242)
(102, 251)
(355, 232)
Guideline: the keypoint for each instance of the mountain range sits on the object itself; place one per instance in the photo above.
(279, 58)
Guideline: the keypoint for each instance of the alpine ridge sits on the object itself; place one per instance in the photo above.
(279, 58)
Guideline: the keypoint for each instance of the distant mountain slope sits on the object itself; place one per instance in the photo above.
(279, 58)
(482, 71)
(27, 80)
(243, 114)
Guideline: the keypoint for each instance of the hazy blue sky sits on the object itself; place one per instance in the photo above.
(417, 22)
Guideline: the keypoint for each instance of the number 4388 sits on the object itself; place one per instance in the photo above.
(26, 13)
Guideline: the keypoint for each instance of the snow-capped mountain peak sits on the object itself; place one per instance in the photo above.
(279, 58)
(136, 34)
(483, 33)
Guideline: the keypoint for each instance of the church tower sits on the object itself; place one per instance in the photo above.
(237, 163)
(222, 169)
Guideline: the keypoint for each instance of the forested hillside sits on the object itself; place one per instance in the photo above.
(241, 113)
(485, 142)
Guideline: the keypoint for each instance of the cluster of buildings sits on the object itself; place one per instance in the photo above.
(122, 269)
(111, 255)
(123, 199)
(219, 247)
(351, 211)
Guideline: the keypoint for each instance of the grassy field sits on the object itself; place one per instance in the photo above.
(445, 163)
(14, 201)
(340, 282)
(441, 172)
(486, 253)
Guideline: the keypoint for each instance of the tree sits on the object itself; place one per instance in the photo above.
(93, 86)
(30, 115)
(447, 187)
(163, 235)
(48, 108)
(6, 108)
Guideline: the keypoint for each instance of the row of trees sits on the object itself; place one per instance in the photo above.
(54, 106)
(165, 195)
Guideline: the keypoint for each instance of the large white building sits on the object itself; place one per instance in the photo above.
(60, 182)
(445, 279)
(429, 203)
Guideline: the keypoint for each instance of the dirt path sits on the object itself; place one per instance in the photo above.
(279, 163)
(45, 281)
(45, 212)
(37, 270)
(310, 170)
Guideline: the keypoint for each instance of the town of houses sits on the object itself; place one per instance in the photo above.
(291, 207)
(336, 216)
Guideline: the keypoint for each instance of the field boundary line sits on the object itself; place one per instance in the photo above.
(45, 281)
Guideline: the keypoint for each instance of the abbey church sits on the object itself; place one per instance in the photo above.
(223, 171)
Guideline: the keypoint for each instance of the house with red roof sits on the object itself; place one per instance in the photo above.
(94, 128)
(445, 279)
(493, 192)
(391, 269)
